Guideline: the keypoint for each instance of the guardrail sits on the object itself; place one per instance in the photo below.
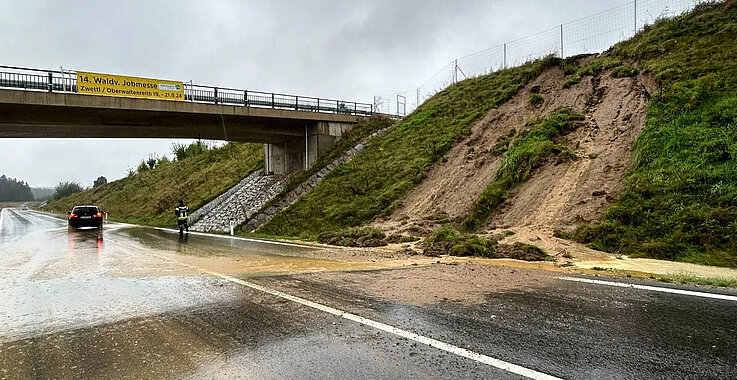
(66, 82)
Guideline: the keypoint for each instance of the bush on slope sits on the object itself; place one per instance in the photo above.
(529, 151)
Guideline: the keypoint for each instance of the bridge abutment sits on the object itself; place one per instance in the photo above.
(295, 154)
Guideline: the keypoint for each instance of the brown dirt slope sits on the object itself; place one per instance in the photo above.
(556, 196)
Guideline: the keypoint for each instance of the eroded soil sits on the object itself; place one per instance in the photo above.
(558, 195)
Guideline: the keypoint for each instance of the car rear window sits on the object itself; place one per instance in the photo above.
(85, 210)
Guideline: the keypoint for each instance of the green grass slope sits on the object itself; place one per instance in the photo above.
(149, 197)
(394, 163)
(680, 201)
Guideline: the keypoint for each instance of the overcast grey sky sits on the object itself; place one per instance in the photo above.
(338, 49)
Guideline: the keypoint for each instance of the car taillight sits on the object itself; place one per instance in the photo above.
(98, 215)
(72, 216)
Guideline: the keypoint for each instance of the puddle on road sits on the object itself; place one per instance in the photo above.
(246, 258)
(54, 280)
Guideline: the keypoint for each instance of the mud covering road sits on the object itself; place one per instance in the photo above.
(135, 302)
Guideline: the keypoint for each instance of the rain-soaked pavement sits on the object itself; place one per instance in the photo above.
(133, 302)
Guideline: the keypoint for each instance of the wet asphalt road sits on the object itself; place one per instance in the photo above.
(120, 304)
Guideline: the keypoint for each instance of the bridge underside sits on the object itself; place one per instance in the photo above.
(293, 139)
(52, 115)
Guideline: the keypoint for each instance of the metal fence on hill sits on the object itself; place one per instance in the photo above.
(592, 34)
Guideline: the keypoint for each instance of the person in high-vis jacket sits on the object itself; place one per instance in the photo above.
(182, 212)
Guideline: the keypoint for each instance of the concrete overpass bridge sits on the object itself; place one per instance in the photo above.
(295, 130)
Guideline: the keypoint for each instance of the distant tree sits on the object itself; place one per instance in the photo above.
(163, 160)
(142, 167)
(99, 181)
(343, 108)
(181, 151)
(151, 162)
(13, 190)
(178, 151)
(64, 189)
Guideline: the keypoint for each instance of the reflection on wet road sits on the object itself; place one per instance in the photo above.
(127, 303)
(133, 302)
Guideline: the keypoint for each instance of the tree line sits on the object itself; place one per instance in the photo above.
(13, 190)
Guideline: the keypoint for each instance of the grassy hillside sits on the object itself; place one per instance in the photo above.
(150, 196)
(393, 164)
(681, 197)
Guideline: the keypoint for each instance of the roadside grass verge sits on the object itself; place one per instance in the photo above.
(708, 281)
(680, 201)
(355, 237)
(531, 149)
(149, 197)
(373, 182)
(10, 204)
(363, 237)
(447, 240)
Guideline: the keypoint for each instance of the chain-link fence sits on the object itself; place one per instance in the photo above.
(595, 33)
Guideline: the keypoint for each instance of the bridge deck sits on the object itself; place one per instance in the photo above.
(45, 103)
(44, 114)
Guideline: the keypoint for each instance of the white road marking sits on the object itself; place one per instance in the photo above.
(236, 238)
(488, 360)
(18, 215)
(37, 214)
(481, 358)
(653, 288)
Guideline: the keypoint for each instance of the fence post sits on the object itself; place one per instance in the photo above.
(418, 99)
(318, 104)
(296, 102)
(372, 109)
(455, 71)
(216, 95)
(635, 16)
(505, 55)
(561, 41)
(355, 108)
(272, 100)
(245, 98)
(51, 82)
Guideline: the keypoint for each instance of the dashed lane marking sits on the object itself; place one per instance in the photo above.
(654, 288)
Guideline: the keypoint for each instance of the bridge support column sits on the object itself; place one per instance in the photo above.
(299, 153)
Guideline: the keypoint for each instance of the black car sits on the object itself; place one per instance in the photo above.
(85, 216)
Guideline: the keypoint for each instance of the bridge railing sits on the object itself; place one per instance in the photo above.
(66, 82)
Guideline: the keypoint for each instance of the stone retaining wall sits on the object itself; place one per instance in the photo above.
(238, 204)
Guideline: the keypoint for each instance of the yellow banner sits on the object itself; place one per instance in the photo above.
(130, 87)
